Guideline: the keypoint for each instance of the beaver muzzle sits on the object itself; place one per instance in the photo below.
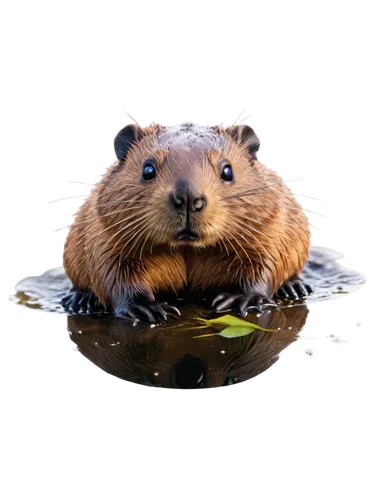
(185, 198)
(186, 234)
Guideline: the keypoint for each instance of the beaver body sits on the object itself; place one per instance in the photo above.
(186, 207)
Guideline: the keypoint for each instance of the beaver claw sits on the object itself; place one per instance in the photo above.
(81, 301)
(244, 302)
(294, 289)
(153, 313)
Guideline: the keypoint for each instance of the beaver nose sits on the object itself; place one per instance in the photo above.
(184, 197)
(192, 204)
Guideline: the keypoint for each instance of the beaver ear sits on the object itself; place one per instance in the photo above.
(125, 138)
(245, 135)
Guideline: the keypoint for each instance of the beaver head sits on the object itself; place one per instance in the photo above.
(177, 186)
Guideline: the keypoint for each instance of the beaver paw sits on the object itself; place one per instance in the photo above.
(153, 313)
(243, 302)
(294, 289)
(81, 301)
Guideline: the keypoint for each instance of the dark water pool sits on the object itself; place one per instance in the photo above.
(186, 353)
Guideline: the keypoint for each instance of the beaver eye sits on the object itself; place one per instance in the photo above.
(148, 171)
(227, 173)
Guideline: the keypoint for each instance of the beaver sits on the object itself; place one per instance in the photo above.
(186, 207)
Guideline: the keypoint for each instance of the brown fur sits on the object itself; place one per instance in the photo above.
(123, 243)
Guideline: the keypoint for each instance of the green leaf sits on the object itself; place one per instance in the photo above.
(224, 320)
(182, 325)
(230, 332)
(208, 322)
(231, 321)
(235, 331)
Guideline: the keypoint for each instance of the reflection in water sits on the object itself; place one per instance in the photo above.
(168, 355)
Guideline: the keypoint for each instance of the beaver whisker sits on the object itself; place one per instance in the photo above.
(124, 211)
(245, 252)
(285, 223)
(138, 222)
(302, 209)
(126, 239)
(253, 228)
(271, 219)
(256, 239)
(234, 248)
(147, 238)
(119, 203)
(69, 198)
(115, 189)
(121, 239)
(137, 242)
(310, 194)
(222, 240)
(247, 193)
(253, 247)
(128, 234)
(140, 233)
(219, 243)
(122, 222)
(100, 216)
(267, 253)
(249, 243)
(153, 235)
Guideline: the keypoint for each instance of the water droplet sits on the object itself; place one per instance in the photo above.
(359, 324)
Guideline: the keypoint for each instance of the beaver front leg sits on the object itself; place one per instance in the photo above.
(140, 308)
(86, 302)
(135, 284)
(237, 287)
(129, 287)
(81, 302)
(294, 288)
(256, 298)
(253, 297)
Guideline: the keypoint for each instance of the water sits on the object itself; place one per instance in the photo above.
(180, 354)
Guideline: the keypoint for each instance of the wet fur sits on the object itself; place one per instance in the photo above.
(122, 244)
